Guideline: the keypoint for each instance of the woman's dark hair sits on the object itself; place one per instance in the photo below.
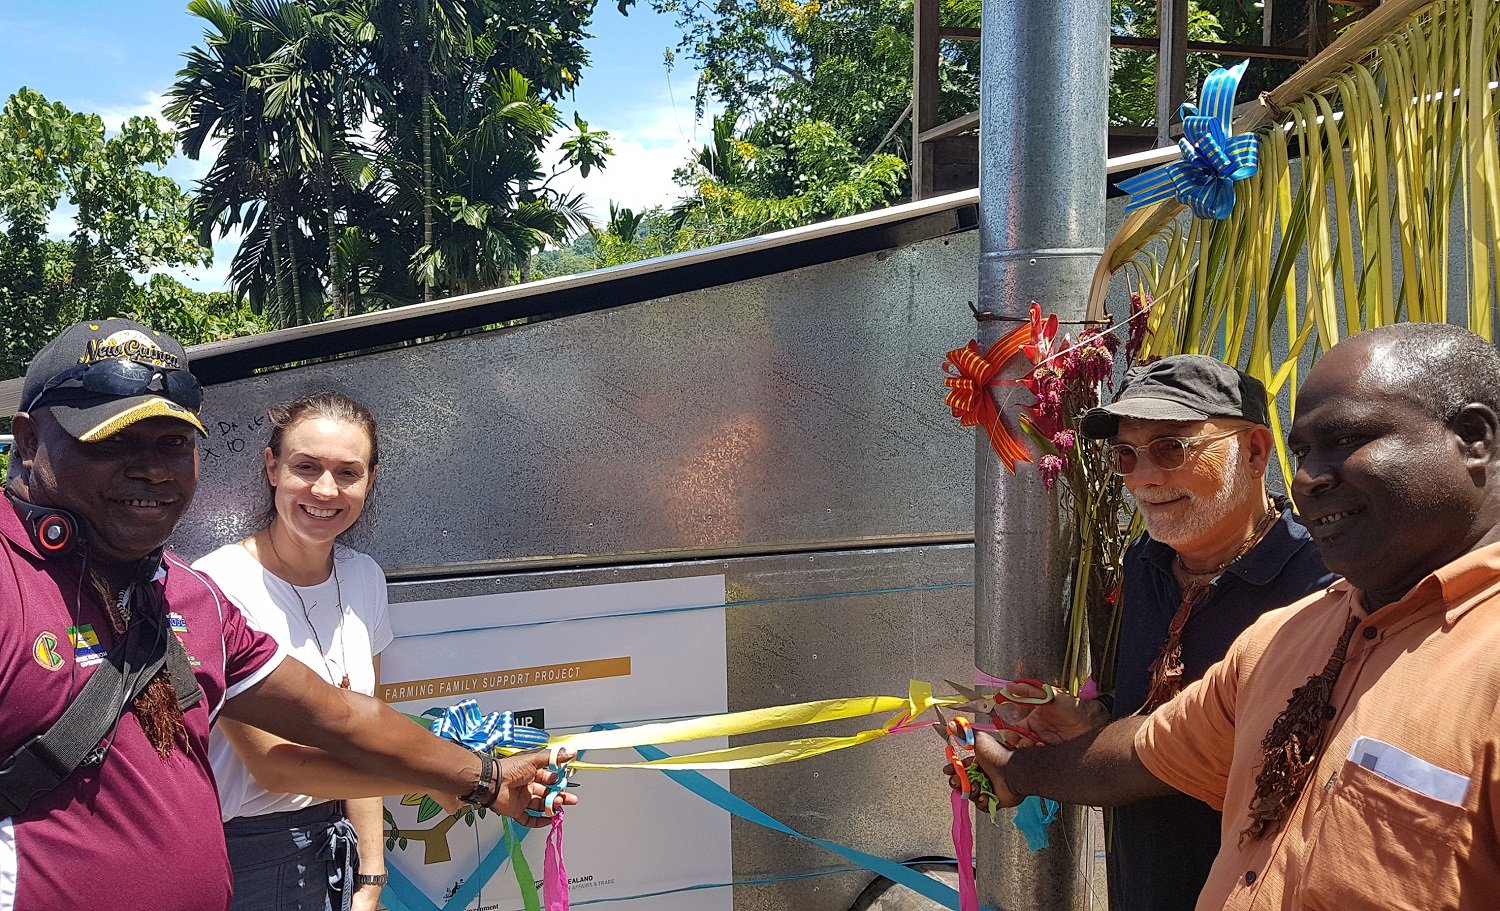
(333, 406)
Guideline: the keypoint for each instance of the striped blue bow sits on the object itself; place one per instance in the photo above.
(1211, 160)
(464, 725)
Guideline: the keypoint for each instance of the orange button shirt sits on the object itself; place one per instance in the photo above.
(1402, 810)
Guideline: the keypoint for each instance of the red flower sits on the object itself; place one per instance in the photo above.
(1043, 334)
(1047, 384)
(1093, 360)
(1140, 308)
(1051, 467)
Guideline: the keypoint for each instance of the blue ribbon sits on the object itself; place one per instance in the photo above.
(1211, 160)
(1033, 817)
(402, 894)
(463, 725)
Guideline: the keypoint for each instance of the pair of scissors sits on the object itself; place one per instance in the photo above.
(982, 704)
(555, 789)
(958, 744)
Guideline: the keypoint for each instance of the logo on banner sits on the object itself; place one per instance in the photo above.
(531, 718)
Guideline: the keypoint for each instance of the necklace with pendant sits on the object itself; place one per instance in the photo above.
(307, 615)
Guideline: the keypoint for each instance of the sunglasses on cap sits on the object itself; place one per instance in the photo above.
(123, 377)
(1165, 453)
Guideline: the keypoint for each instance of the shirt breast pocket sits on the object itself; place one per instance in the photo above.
(1382, 846)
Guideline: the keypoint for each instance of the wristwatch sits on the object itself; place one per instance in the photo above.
(371, 879)
(488, 788)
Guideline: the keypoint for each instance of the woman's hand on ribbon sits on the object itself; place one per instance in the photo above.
(992, 758)
(1064, 717)
(525, 779)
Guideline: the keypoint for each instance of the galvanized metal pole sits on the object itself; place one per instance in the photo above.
(1043, 142)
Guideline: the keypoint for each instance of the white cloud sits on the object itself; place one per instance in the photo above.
(150, 105)
(650, 140)
(62, 220)
(214, 277)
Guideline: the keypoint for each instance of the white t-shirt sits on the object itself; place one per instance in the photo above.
(350, 638)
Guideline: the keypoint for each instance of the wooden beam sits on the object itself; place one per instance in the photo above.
(964, 124)
(958, 33)
(1171, 63)
(924, 92)
(1260, 51)
(1319, 26)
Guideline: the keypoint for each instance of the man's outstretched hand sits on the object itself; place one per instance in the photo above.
(524, 779)
(992, 759)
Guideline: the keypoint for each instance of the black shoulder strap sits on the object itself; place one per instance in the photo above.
(44, 761)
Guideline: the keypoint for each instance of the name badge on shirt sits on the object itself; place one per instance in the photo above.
(1396, 765)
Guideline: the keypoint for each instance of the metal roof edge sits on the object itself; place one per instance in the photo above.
(592, 291)
(600, 289)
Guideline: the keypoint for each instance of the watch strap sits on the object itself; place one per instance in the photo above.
(488, 788)
(371, 879)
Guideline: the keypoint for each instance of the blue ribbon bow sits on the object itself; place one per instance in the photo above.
(1211, 160)
(463, 725)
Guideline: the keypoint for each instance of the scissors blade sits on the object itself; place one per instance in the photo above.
(977, 701)
(941, 726)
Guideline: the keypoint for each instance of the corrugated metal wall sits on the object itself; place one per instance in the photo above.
(787, 432)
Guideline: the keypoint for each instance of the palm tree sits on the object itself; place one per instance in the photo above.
(417, 49)
(444, 193)
(251, 186)
(464, 164)
(319, 100)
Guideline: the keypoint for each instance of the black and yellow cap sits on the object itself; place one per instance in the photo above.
(91, 415)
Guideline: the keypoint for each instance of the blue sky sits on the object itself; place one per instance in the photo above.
(117, 58)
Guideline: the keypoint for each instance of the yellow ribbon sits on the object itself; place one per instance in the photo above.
(918, 700)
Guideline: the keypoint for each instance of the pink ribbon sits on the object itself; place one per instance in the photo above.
(983, 679)
(1089, 690)
(963, 849)
(554, 874)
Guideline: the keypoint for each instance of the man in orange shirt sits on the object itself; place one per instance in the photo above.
(1352, 739)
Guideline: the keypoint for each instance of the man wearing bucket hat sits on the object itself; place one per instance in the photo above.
(115, 655)
(1189, 436)
(1351, 738)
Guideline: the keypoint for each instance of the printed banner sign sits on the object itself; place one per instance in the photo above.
(629, 653)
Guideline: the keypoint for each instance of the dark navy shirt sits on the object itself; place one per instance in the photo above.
(1163, 847)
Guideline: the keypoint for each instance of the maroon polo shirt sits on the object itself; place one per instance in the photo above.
(138, 832)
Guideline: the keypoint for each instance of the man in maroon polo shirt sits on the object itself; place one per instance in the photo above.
(105, 463)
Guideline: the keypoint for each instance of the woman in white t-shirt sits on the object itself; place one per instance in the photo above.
(326, 605)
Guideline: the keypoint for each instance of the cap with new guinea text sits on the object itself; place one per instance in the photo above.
(1183, 387)
(100, 376)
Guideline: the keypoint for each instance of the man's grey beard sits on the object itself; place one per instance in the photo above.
(1203, 513)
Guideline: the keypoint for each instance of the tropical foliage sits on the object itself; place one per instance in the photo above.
(1398, 164)
(778, 64)
(816, 97)
(1414, 139)
(764, 182)
(815, 94)
(86, 219)
(372, 152)
(1132, 83)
